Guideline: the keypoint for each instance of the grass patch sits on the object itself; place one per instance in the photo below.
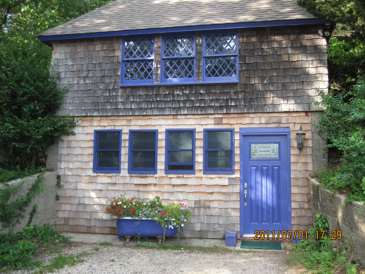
(180, 246)
(105, 243)
(61, 261)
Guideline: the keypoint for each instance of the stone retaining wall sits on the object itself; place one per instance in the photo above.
(46, 212)
(341, 216)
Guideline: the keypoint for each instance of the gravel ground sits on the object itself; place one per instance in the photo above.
(120, 259)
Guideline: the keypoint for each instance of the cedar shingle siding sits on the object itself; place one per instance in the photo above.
(279, 69)
(215, 199)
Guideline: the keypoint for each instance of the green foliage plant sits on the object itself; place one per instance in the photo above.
(319, 255)
(29, 98)
(344, 123)
(12, 210)
(201, 233)
(18, 250)
(7, 174)
(105, 244)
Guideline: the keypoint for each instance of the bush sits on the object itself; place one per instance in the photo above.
(19, 250)
(7, 175)
(317, 254)
(344, 123)
(29, 98)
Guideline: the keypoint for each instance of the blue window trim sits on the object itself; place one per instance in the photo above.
(236, 54)
(97, 169)
(167, 150)
(163, 58)
(124, 60)
(207, 170)
(131, 169)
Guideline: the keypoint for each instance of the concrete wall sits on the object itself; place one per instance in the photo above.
(46, 212)
(320, 156)
(215, 199)
(341, 216)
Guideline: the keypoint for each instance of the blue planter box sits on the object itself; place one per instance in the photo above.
(142, 227)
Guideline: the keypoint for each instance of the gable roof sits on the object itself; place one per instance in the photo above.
(125, 15)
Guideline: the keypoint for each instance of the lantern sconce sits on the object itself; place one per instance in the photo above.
(300, 138)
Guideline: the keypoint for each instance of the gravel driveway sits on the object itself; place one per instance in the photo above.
(121, 259)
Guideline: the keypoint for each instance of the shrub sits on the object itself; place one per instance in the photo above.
(344, 123)
(7, 175)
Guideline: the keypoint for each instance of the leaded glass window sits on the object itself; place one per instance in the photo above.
(220, 54)
(137, 60)
(178, 58)
(180, 151)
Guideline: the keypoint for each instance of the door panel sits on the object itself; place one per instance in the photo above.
(265, 176)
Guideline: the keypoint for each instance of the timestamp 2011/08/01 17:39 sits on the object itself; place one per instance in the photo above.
(295, 234)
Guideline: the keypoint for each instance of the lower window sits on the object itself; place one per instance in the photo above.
(142, 156)
(218, 155)
(180, 151)
(107, 151)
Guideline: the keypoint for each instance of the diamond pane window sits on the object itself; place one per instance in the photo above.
(107, 151)
(178, 58)
(220, 57)
(218, 146)
(180, 151)
(138, 59)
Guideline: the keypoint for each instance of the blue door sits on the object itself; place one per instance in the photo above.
(265, 180)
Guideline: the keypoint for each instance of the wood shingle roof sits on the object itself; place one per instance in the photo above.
(124, 15)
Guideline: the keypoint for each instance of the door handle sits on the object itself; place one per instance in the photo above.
(245, 192)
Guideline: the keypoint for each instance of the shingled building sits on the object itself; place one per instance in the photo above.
(194, 101)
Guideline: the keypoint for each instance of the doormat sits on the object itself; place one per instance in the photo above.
(260, 245)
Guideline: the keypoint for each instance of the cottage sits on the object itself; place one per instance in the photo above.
(195, 101)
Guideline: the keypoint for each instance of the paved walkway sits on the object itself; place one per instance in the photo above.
(113, 239)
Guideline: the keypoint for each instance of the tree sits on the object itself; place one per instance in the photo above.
(29, 92)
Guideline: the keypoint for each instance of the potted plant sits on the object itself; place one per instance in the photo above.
(148, 218)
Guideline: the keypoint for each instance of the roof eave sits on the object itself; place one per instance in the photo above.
(280, 23)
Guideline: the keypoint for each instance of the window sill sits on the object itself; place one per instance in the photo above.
(235, 81)
(219, 172)
(107, 171)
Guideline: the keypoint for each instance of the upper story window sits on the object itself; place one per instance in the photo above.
(179, 63)
(107, 151)
(180, 151)
(137, 60)
(218, 157)
(178, 58)
(220, 57)
(142, 154)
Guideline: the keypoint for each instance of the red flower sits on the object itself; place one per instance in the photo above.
(123, 210)
(117, 214)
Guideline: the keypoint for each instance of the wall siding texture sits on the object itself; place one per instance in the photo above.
(215, 199)
(279, 69)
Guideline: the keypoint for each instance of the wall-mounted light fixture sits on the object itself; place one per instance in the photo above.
(300, 138)
(326, 31)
